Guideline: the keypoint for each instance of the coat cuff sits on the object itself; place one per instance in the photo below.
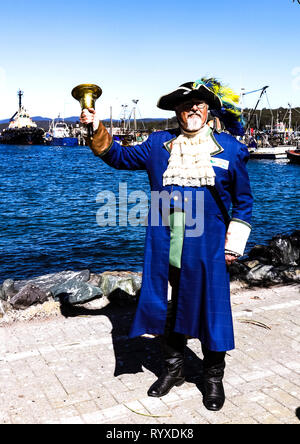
(237, 236)
(101, 142)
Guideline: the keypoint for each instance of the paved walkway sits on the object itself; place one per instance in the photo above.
(81, 368)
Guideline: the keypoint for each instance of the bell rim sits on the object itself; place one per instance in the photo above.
(95, 89)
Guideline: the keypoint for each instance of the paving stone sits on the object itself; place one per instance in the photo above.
(93, 418)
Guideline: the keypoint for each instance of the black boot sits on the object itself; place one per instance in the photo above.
(172, 346)
(214, 366)
(214, 395)
(173, 374)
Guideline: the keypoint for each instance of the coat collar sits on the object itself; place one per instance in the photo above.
(218, 149)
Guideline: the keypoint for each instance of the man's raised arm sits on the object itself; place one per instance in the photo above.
(115, 155)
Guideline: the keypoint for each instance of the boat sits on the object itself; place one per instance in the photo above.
(59, 134)
(275, 140)
(277, 152)
(294, 155)
(123, 133)
(21, 129)
(271, 147)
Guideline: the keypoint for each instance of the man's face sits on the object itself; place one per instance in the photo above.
(192, 114)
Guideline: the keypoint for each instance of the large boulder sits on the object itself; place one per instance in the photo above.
(46, 282)
(121, 286)
(28, 296)
(75, 292)
(265, 255)
(8, 290)
(287, 248)
(263, 275)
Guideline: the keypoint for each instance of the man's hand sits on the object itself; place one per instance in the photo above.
(90, 116)
(229, 259)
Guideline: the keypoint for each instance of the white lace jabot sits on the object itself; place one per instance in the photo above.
(190, 161)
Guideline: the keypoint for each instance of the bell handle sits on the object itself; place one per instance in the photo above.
(90, 130)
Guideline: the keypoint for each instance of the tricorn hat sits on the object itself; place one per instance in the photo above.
(187, 91)
(222, 101)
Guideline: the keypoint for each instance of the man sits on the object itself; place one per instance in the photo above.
(202, 172)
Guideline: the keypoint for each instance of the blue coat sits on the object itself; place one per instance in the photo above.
(204, 309)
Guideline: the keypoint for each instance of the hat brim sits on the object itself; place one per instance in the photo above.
(170, 101)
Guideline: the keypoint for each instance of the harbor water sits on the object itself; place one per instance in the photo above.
(48, 208)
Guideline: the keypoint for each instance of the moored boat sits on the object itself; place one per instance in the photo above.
(294, 155)
(59, 134)
(278, 152)
(21, 129)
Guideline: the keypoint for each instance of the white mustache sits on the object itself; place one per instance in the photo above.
(194, 114)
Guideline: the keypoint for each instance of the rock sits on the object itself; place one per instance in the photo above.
(46, 282)
(251, 264)
(237, 271)
(291, 274)
(274, 263)
(97, 304)
(75, 292)
(27, 296)
(8, 289)
(265, 255)
(264, 275)
(4, 307)
(115, 285)
(121, 285)
(281, 250)
(287, 248)
(95, 279)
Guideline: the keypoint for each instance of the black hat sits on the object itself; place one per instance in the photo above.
(187, 91)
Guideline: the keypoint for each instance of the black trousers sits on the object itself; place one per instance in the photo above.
(177, 341)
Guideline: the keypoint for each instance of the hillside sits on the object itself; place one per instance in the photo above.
(260, 119)
(44, 122)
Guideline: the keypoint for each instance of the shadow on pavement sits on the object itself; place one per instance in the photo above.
(132, 354)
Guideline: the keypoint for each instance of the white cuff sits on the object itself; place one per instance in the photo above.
(96, 124)
(237, 236)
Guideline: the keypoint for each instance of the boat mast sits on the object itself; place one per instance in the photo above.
(20, 94)
(123, 118)
(290, 121)
(111, 122)
(263, 90)
(134, 114)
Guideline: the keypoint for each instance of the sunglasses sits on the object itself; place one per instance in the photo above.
(188, 105)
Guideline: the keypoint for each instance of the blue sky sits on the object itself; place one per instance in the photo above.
(141, 50)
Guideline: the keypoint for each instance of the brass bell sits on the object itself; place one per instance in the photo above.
(87, 94)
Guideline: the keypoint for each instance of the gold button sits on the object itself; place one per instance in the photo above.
(175, 197)
(186, 199)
